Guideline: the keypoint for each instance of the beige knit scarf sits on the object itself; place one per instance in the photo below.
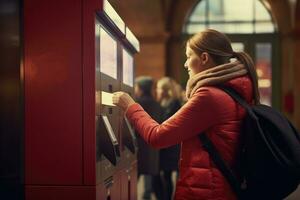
(215, 75)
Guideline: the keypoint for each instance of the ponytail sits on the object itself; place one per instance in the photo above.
(248, 62)
(217, 45)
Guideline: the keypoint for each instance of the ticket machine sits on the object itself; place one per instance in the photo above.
(71, 56)
(116, 148)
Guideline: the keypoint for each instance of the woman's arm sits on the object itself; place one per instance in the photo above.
(196, 116)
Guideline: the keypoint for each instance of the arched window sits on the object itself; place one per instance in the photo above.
(249, 25)
(231, 16)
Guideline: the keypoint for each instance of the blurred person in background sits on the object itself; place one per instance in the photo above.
(168, 95)
(148, 157)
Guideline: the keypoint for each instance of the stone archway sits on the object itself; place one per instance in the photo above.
(175, 44)
(158, 25)
(146, 19)
(280, 11)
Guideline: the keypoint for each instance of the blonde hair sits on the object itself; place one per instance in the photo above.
(218, 46)
(171, 90)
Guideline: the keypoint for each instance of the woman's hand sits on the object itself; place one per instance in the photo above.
(122, 100)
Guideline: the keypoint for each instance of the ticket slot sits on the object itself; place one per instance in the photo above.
(128, 136)
(107, 143)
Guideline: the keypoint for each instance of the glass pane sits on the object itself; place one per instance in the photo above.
(238, 46)
(261, 13)
(195, 28)
(233, 27)
(108, 54)
(264, 27)
(228, 11)
(263, 62)
(199, 12)
(231, 10)
(127, 68)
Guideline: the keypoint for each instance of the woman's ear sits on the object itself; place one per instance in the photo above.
(204, 58)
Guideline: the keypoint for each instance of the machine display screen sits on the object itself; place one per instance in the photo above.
(127, 68)
(109, 129)
(108, 54)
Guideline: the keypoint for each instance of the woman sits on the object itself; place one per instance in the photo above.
(148, 157)
(168, 95)
(208, 110)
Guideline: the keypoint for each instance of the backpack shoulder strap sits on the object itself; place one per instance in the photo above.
(213, 152)
(221, 164)
(236, 96)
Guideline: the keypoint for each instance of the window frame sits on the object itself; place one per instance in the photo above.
(207, 22)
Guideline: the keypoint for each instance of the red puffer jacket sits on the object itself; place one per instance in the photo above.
(210, 110)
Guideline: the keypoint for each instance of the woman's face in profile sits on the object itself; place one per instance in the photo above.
(158, 93)
(193, 62)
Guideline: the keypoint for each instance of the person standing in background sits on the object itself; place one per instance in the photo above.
(148, 157)
(168, 96)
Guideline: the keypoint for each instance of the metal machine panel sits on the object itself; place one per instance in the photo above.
(107, 131)
(133, 181)
(128, 145)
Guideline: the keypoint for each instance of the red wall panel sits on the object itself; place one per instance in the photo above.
(53, 92)
(59, 85)
(89, 151)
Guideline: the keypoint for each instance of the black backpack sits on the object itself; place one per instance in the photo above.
(269, 157)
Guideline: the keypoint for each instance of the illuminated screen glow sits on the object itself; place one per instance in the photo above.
(108, 54)
(127, 68)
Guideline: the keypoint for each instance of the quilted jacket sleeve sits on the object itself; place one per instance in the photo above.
(197, 115)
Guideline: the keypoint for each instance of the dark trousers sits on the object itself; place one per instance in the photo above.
(152, 183)
(164, 185)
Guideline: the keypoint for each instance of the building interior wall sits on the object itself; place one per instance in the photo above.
(158, 25)
(296, 71)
